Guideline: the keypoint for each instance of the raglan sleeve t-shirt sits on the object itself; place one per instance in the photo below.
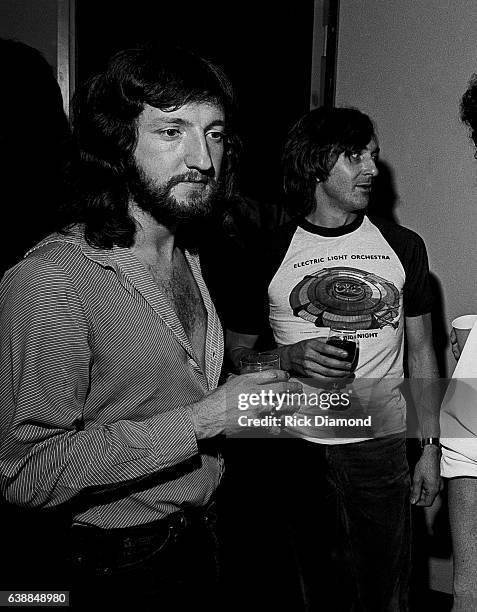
(366, 276)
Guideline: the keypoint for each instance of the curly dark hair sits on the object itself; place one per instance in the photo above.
(312, 148)
(468, 108)
(105, 113)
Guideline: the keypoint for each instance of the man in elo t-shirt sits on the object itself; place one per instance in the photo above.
(332, 266)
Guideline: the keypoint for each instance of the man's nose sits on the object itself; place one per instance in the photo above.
(370, 167)
(197, 155)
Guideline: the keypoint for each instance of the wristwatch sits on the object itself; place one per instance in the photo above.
(432, 441)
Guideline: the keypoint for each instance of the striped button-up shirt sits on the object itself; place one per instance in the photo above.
(97, 377)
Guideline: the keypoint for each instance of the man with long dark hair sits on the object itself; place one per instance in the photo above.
(332, 266)
(111, 347)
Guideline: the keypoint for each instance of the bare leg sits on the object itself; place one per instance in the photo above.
(463, 522)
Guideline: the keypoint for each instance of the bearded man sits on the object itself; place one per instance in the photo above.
(111, 348)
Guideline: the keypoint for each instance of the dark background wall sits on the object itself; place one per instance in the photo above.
(32, 22)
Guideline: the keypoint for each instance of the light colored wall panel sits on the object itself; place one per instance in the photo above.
(407, 63)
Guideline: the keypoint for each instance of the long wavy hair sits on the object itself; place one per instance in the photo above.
(312, 148)
(105, 113)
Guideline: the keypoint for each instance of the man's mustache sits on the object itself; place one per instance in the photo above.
(191, 177)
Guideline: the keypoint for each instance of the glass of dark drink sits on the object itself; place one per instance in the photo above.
(347, 340)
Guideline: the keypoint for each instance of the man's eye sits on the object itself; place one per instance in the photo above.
(216, 136)
(355, 157)
(170, 133)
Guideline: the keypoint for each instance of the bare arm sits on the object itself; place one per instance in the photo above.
(423, 370)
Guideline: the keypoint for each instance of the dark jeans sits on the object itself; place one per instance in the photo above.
(167, 565)
(350, 523)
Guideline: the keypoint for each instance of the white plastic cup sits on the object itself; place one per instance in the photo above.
(462, 326)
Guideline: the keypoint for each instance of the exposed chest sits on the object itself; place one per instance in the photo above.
(178, 284)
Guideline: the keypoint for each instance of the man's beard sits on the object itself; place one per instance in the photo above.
(198, 206)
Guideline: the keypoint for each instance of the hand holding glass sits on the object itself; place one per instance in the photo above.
(258, 362)
(347, 340)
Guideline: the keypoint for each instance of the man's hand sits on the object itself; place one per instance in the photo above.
(454, 345)
(315, 358)
(219, 410)
(427, 481)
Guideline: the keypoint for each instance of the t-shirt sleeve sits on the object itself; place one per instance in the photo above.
(418, 295)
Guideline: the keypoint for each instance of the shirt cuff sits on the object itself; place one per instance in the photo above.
(173, 438)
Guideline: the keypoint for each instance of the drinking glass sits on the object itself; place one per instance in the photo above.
(258, 362)
(347, 340)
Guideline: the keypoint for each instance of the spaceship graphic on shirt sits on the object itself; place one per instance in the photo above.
(346, 297)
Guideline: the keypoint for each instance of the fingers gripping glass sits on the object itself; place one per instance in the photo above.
(347, 340)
